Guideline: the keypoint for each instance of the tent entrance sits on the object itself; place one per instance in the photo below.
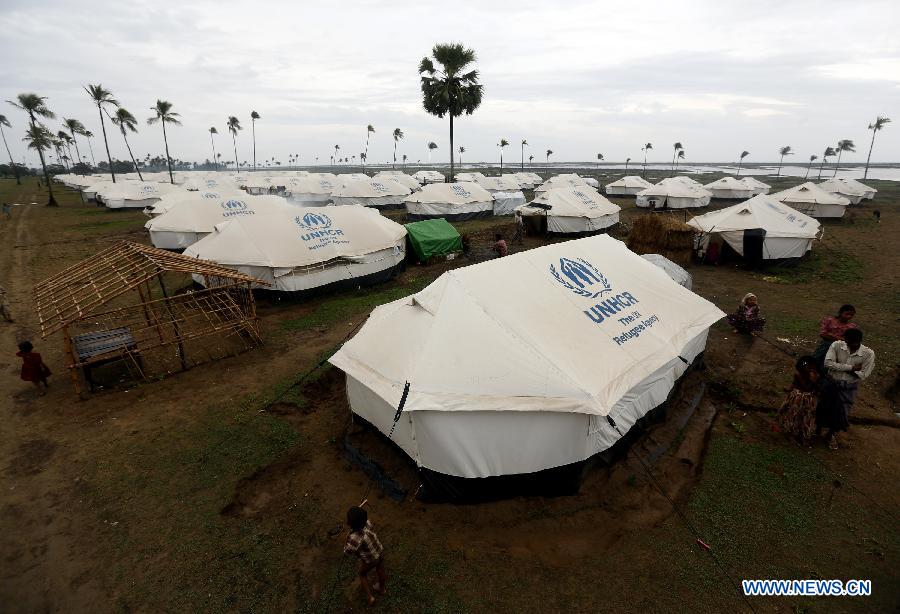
(754, 240)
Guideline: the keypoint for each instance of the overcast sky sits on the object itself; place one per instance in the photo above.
(576, 77)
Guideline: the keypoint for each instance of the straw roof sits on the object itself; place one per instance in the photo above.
(81, 289)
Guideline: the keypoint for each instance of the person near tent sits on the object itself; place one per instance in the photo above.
(500, 247)
(746, 318)
(847, 363)
(832, 329)
(363, 543)
(33, 368)
(798, 411)
(4, 306)
(519, 237)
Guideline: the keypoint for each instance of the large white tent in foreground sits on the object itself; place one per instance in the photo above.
(451, 201)
(308, 248)
(759, 229)
(812, 200)
(573, 210)
(514, 364)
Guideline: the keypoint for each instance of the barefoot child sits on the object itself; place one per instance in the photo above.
(363, 543)
(33, 368)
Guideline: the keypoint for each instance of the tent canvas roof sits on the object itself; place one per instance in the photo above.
(299, 236)
(541, 330)
(753, 182)
(370, 188)
(838, 186)
(762, 211)
(86, 286)
(809, 193)
(202, 214)
(583, 201)
(630, 181)
(727, 183)
(451, 193)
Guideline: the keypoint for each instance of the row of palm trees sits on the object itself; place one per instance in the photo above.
(838, 150)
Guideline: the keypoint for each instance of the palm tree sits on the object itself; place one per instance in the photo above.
(89, 135)
(599, 159)
(212, 131)
(398, 134)
(524, 145)
(744, 154)
(530, 158)
(404, 160)
(126, 121)
(875, 126)
(431, 147)
(784, 151)
(450, 91)
(102, 97)
(680, 156)
(503, 143)
(627, 160)
(825, 155)
(253, 117)
(549, 153)
(337, 148)
(462, 150)
(165, 115)
(65, 143)
(809, 166)
(369, 130)
(842, 146)
(677, 146)
(75, 127)
(645, 149)
(234, 124)
(36, 107)
(12, 164)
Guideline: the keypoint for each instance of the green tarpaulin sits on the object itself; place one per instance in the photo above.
(433, 238)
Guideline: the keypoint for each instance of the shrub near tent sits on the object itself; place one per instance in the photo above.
(502, 401)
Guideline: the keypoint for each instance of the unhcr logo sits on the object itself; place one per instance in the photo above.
(581, 277)
(210, 195)
(234, 205)
(313, 221)
(460, 191)
(379, 187)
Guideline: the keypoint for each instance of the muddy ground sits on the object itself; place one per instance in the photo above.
(223, 488)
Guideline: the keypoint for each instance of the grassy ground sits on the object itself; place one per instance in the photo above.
(196, 493)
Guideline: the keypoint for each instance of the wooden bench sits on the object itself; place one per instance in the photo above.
(97, 348)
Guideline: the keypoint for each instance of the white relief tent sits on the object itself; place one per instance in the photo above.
(451, 201)
(812, 200)
(573, 210)
(370, 192)
(629, 185)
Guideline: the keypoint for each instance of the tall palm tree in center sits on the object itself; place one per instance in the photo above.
(825, 155)
(503, 143)
(35, 106)
(784, 151)
(744, 154)
(126, 121)
(451, 90)
(253, 117)
(370, 129)
(12, 164)
(677, 147)
(842, 146)
(462, 150)
(524, 145)
(74, 127)
(875, 126)
(645, 149)
(809, 166)
(398, 134)
(165, 115)
(213, 131)
(102, 97)
(234, 124)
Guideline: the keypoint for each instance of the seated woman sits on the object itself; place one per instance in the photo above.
(746, 318)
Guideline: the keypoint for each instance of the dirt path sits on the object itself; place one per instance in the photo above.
(45, 566)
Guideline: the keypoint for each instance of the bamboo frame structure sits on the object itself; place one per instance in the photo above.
(116, 306)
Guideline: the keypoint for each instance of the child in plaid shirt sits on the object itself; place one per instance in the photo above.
(364, 543)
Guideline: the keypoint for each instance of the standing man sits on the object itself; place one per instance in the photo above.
(519, 237)
(847, 363)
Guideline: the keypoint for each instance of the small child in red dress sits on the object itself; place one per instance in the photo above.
(33, 368)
